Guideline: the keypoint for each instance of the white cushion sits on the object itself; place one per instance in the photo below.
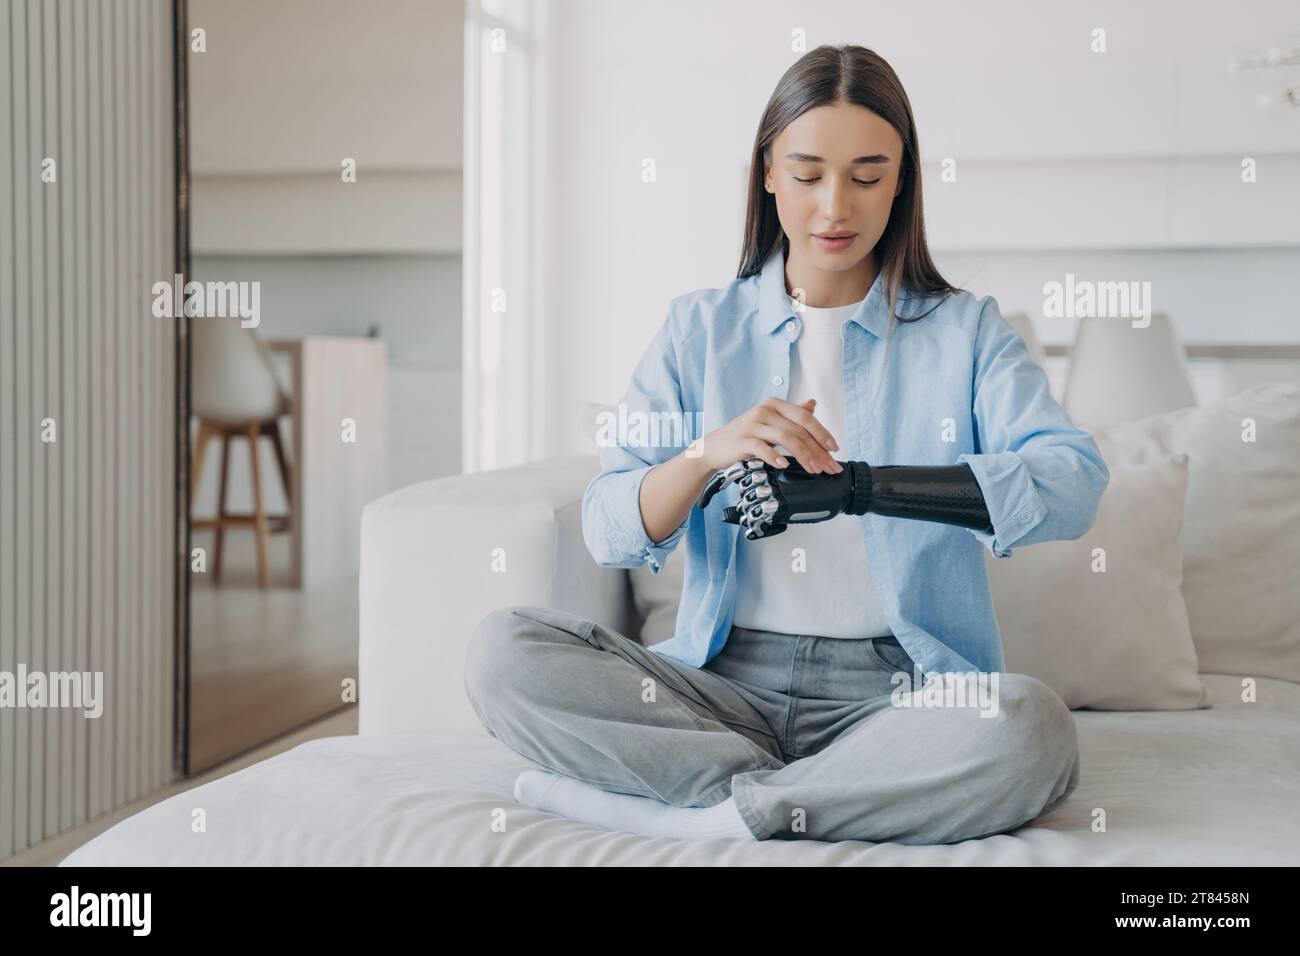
(1100, 619)
(436, 557)
(1241, 533)
(656, 597)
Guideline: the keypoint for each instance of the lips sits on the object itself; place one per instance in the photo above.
(838, 240)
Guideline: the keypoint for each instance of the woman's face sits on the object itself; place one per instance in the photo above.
(835, 169)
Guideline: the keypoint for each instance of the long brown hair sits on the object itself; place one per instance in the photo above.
(822, 77)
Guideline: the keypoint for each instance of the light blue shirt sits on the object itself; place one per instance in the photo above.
(959, 386)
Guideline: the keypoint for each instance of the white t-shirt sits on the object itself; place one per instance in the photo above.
(826, 590)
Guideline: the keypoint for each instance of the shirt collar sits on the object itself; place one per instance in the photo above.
(774, 302)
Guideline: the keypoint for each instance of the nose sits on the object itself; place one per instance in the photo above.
(834, 199)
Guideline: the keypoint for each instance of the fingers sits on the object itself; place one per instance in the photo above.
(755, 448)
(781, 431)
(757, 504)
(810, 453)
(756, 490)
(755, 516)
(803, 416)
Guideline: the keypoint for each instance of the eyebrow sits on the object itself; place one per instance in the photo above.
(808, 158)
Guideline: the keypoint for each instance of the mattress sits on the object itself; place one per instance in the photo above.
(1215, 786)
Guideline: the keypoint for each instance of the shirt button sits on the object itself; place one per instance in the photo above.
(791, 329)
(777, 380)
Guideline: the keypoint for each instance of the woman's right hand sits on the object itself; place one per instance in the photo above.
(773, 421)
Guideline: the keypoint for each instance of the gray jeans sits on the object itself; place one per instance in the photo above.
(805, 732)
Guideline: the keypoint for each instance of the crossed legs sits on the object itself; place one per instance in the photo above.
(586, 703)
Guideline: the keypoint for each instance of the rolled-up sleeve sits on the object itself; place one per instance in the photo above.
(1042, 478)
(611, 506)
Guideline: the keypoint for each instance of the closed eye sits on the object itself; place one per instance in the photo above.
(858, 181)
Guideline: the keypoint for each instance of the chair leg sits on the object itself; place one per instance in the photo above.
(196, 459)
(259, 511)
(272, 430)
(220, 530)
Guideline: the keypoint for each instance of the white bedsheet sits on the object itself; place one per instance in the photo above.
(1207, 787)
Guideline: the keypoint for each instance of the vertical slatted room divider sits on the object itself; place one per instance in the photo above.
(87, 403)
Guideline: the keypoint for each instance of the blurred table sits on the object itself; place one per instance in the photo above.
(332, 379)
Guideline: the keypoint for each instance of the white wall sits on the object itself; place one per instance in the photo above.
(1120, 165)
(292, 85)
(412, 300)
(385, 212)
(87, 551)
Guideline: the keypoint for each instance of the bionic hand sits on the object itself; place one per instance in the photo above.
(773, 498)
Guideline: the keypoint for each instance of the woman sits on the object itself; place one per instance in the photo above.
(774, 710)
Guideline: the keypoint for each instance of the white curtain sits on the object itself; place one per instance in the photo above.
(502, 165)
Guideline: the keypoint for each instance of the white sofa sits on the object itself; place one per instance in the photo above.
(436, 557)
(423, 784)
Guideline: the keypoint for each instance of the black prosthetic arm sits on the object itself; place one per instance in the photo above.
(773, 498)
(948, 494)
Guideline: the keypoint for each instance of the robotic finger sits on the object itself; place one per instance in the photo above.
(746, 472)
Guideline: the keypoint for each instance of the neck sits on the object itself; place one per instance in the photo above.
(823, 289)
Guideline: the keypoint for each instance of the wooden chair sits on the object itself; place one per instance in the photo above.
(234, 393)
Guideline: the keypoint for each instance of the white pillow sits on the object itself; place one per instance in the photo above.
(1241, 534)
(1100, 619)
